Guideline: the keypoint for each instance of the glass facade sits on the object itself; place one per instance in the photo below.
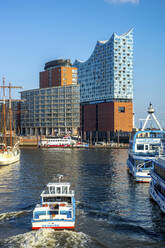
(108, 73)
(50, 110)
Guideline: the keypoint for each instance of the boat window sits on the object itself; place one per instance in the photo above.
(52, 212)
(57, 199)
(64, 189)
(63, 212)
(146, 147)
(154, 147)
(146, 135)
(41, 212)
(58, 190)
(38, 213)
(140, 147)
(49, 199)
(52, 190)
(153, 135)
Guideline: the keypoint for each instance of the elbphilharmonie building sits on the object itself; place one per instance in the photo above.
(106, 86)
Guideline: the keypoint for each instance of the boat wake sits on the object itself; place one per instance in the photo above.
(12, 215)
(48, 238)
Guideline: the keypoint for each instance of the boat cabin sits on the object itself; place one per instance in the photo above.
(57, 192)
(148, 142)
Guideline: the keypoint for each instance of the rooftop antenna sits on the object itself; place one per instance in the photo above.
(151, 116)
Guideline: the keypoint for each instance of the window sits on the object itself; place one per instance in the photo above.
(140, 147)
(121, 109)
(58, 190)
(52, 190)
(64, 189)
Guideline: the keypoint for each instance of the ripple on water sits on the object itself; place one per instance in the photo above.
(12, 215)
(49, 238)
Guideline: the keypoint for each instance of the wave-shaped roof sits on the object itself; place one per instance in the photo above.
(102, 43)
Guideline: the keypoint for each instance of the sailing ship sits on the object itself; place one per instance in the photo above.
(9, 146)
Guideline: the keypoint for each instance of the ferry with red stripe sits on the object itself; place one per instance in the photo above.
(65, 141)
(57, 207)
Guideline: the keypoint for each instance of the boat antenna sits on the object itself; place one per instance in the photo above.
(59, 176)
(150, 116)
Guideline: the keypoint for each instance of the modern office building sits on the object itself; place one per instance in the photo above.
(54, 108)
(106, 87)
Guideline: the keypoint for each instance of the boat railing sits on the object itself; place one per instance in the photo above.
(47, 192)
(145, 154)
(150, 160)
(142, 164)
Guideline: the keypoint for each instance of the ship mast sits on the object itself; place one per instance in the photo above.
(10, 115)
(4, 115)
(10, 111)
(151, 116)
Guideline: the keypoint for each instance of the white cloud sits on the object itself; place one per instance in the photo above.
(122, 1)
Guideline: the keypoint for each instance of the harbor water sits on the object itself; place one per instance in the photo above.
(111, 209)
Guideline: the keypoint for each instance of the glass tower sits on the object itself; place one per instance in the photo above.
(108, 74)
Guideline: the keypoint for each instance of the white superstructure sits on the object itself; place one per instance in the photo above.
(145, 146)
(57, 207)
(57, 142)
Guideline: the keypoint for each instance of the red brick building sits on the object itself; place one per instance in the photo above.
(58, 73)
(101, 121)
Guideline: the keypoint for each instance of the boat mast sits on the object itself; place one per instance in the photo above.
(4, 115)
(10, 115)
(10, 110)
(150, 116)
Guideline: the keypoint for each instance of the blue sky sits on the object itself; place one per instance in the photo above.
(33, 32)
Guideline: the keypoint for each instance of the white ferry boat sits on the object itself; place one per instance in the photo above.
(157, 184)
(65, 141)
(144, 147)
(57, 207)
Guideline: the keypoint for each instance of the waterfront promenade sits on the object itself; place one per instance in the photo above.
(32, 141)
